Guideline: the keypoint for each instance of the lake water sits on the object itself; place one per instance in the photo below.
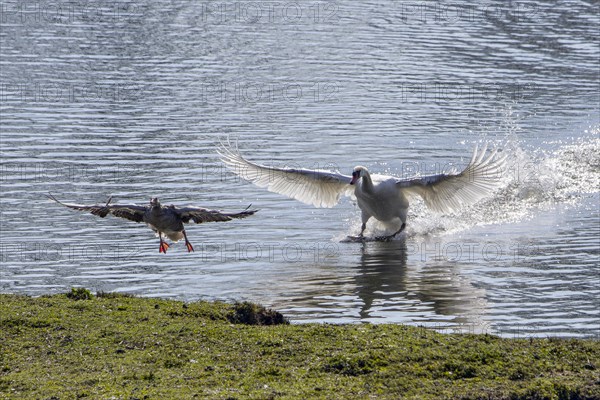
(129, 99)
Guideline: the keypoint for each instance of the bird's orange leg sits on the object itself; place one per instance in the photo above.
(163, 245)
(187, 243)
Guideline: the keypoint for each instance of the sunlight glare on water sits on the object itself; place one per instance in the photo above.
(133, 100)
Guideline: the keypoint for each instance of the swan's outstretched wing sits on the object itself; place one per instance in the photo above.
(449, 192)
(319, 188)
(131, 212)
(200, 215)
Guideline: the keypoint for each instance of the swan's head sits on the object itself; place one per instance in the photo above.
(154, 203)
(358, 173)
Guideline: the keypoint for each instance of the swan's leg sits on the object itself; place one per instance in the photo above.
(365, 218)
(393, 235)
(189, 246)
(362, 229)
(398, 231)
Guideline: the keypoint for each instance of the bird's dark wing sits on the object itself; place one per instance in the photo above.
(200, 215)
(131, 212)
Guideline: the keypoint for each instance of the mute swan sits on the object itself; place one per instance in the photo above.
(382, 197)
(163, 220)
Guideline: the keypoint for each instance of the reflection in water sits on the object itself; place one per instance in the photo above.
(134, 105)
(438, 294)
(381, 273)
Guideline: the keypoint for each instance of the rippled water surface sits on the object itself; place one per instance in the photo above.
(129, 99)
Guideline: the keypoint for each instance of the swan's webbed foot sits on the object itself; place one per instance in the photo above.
(355, 239)
(384, 238)
(390, 237)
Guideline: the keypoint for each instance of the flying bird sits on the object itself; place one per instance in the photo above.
(383, 197)
(165, 221)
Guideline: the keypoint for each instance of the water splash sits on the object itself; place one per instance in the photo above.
(532, 181)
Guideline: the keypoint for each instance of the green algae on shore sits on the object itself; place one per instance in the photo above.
(122, 347)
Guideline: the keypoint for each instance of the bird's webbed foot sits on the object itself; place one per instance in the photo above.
(189, 246)
(390, 237)
(163, 247)
(384, 238)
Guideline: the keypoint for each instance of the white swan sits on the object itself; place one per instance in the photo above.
(382, 197)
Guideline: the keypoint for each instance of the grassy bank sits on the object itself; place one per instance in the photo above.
(109, 346)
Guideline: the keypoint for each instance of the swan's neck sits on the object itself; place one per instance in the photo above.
(367, 183)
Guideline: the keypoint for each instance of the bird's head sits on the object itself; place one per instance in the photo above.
(154, 203)
(358, 173)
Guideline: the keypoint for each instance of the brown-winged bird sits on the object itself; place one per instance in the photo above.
(163, 220)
